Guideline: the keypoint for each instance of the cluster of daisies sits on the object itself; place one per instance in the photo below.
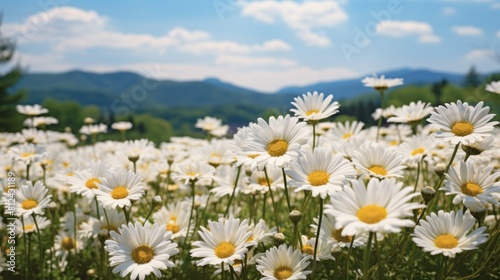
(278, 199)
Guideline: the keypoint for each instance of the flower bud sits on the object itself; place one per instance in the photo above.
(336, 251)
(295, 216)
(278, 238)
(440, 169)
(428, 194)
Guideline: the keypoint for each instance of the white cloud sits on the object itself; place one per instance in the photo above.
(495, 5)
(69, 29)
(467, 30)
(449, 11)
(498, 33)
(480, 54)
(302, 17)
(253, 61)
(396, 28)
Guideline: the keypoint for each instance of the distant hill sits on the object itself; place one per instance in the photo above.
(346, 89)
(105, 89)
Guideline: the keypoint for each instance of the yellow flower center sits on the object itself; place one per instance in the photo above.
(371, 214)
(27, 154)
(70, 174)
(224, 250)
(471, 189)
(263, 182)
(417, 151)
(68, 243)
(462, 128)
(277, 148)
(119, 192)
(446, 241)
(29, 227)
(173, 227)
(252, 156)
(92, 183)
(318, 178)
(307, 249)
(379, 88)
(337, 235)
(142, 254)
(379, 170)
(313, 111)
(394, 143)
(347, 135)
(29, 204)
(283, 272)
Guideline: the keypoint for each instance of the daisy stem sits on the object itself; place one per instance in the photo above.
(381, 115)
(97, 208)
(73, 202)
(125, 213)
(317, 236)
(234, 191)
(149, 213)
(222, 274)
(366, 260)
(40, 249)
(28, 171)
(447, 167)
(25, 247)
(193, 182)
(314, 135)
(286, 191)
(233, 273)
(348, 259)
(418, 177)
(272, 200)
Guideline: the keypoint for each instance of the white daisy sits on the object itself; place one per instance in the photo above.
(346, 131)
(66, 244)
(462, 123)
(31, 110)
(412, 113)
(28, 225)
(324, 248)
(121, 126)
(283, 263)
(225, 241)
(493, 87)
(472, 185)
(32, 199)
(332, 234)
(314, 107)
(174, 217)
(109, 221)
(381, 84)
(192, 171)
(85, 182)
(93, 129)
(446, 233)
(27, 153)
(257, 182)
(139, 250)
(380, 207)
(119, 189)
(416, 148)
(260, 232)
(213, 126)
(320, 172)
(377, 161)
(40, 121)
(278, 142)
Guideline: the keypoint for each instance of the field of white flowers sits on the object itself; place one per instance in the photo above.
(289, 197)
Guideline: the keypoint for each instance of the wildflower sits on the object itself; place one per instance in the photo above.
(377, 161)
(283, 263)
(412, 113)
(31, 110)
(121, 126)
(119, 189)
(314, 107)
(32, 199)
(493, 87)
(381, 84)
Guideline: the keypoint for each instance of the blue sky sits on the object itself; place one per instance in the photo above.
(264, 44)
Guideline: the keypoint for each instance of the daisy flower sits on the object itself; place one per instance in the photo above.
(320, 172)
(66, 244)
(380, 207)
(192, 171)
(174, 217)
(377, 161)
(385, 113)
(278, 142)
(85, 182)
(260, 232)
(412, 113)
(110, 221)
(283, 263)
(416, 148)
(121, 126)
(27, 153)
(446, 233)
(314, 107)
(493, 87)
(93, 129)
(324, 248)
(30, 225)
(472, 185)
(462, 123)
(119, 189)
(225, 241)
(212, 126)
(32, 199)
(332, 234)
(347, 130)
(139, 250)
(257, 182)
(381, 84)
(31, 110)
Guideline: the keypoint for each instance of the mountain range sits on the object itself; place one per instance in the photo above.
(103, 89)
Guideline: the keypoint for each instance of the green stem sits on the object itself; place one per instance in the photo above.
(149, 213)
(40, 249)
(441, 180)
(418, 177)
(381, 115)
(28, 171)
(126, 213)
(349, 257)
(317, 237)
(366, 260)
(314, 135)
(193, 182)
(286, 191)
(234, 191)
(272, 199)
